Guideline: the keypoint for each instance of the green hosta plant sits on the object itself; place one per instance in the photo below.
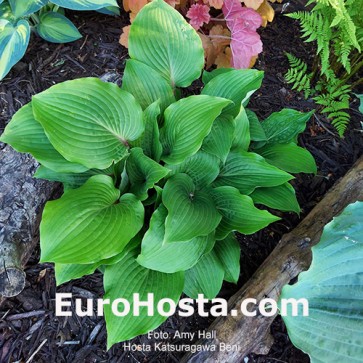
(155, 184)
(19, 17)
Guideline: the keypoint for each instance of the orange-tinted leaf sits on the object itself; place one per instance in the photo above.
(210, 53)
(224, 60)
(267, 12)
(253, 4)
(253, 61)
(221, 37)
(216, 4)
(124, 38)
(126, 5)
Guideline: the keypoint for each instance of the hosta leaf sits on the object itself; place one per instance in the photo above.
(143, 173)
(238, 213)
(24, 8)
(206, 277)
(96, 225)
(247, 171)
(26, 135)
(228, 252)
(56, 28)
(284, 126)
(127, 278)
(333, 286)
(14, 41)
(360, 98)
(161, 38)
(88, 121)
(68, 272)
(208, 76)
(219, 141)
(110, 10)
(236, 85)
(170, 257)
(187, 123)
(85, 4)
(289, 157)
(202, 167)
(192, 212)
(281, 197)
(256, 130)
(146, 85)
(242, 137)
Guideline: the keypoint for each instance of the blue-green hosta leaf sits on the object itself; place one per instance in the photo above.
(289, 157)
(56, 28)
(360, 98)
(236, 85)
(191, 212)
(187, 123)
(110, 10)
(246, 171)
(24, 8)
(202, 167)
(143, 173)
(281, 197)
(88, 121)
(90, 223)
(85, 4)
(242, 137)
(6, 15)
(206, 277)
(238, 213)
(147, 85)
(26, 135)
(256, 130)
(170, 257)
(161, 38)
(333, 286)
(14, 41)
(284, 126)
(228, 253)
(219, 141)
(127, 278)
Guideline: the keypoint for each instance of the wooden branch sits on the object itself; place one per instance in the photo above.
(22, 199)
(291, 256)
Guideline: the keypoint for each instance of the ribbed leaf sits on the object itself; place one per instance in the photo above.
(242, 137)
(26, 135)
(333, 286)
(68, 272)
(170, 257)
(88, 121)
(289, 157)
(256, 129)
(56, 28)
(85, 4)
(187, 123)
(127, 278)
(236, 85)
(90, 223)
(24, 8)
(238, 213)
(208, 76)
(247, 171)
(143, 173)
(161, 38)
(192, 212)
(281, 197)
(146, 85)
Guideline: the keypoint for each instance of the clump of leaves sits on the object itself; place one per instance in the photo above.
(18, 18)
(337, 29)
(156, 185)
(226, 27)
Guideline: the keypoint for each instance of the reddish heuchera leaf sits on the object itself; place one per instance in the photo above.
(198, 15)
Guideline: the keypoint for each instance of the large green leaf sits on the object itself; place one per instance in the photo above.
(238, 213)
(146, 85)
(126, 278)
(208, 76)
(289, 157)
(90, 223)
(284, 126)
(14, 41)
(26, 135)
(333, 286)
(202, 167)
(68, 272)
(242, 136)
(161, 38)
(56, 28)
(256, 130)
(143, 173)
(85, 4)
(247, 171)
(281, 197)
(88, 121)
(236, 85)
(170, 257)
(206, 277)
(24, 8)
(192, 212)
(187, 123)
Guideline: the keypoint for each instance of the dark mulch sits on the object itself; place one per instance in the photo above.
(36, 334)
